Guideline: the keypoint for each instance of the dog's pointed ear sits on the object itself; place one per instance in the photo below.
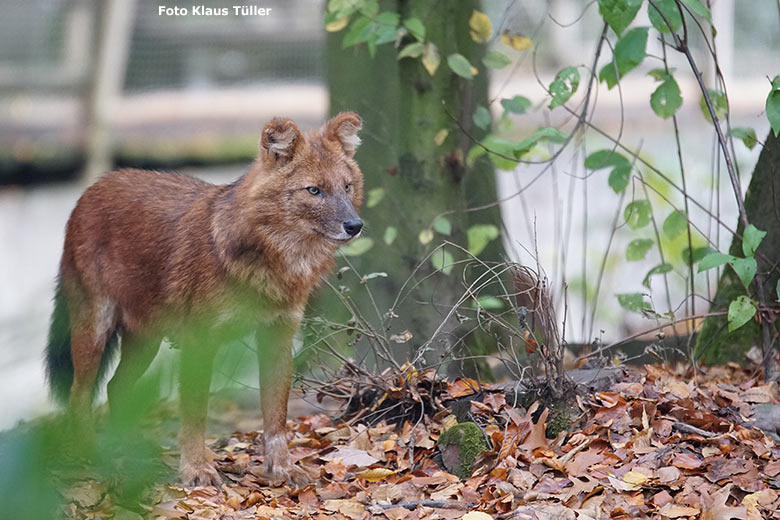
(343, 129)
(280, 140)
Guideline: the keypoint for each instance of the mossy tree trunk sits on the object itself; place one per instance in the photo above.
(715, 344)
(403, 109)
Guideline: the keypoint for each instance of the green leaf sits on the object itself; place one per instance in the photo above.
(516, 105)
(713, 260)
(359, 31)
(637, 249)
(490, 303)
(659, 269)
(374, 197)
(637, 214)
(416, 28)
(564, 86)
(482, 117)
(741, 311)
(699, 253)
(413, 50)
(460, 65)
(666, 99)
(474, 153)
(443, 261)
(634, 302)
(390, 235)
(386, 29)
(669, 10)
(675, 224)
(697, 7)
(746, 134)
(661, 74)
(745, 269)
(357, 247)
(619, 178)
(479, 235)
(629, 52)
(719, 103)
(619, 13)
(751, 239)
(621, 172)
(777, 290)
(498, 145)
(604, 159)
(342, 8)
(773, 106)
(548, 133)
(442, 225)
(496, 60)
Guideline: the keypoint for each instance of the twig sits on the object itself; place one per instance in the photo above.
(648, 331)
(442, 504)
(682, 46)
(687, 428)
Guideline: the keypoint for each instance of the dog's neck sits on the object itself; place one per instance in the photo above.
(255, 249)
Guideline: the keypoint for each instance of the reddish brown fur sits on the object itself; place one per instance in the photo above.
(150, 254)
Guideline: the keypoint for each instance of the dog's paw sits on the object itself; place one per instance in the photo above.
(281, 474)
(199, 474)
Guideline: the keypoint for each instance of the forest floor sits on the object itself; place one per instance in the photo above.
(661, 443)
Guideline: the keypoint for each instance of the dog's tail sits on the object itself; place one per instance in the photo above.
(59, 358)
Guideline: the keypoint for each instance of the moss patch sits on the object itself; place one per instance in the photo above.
(562, 414)
(460, 446)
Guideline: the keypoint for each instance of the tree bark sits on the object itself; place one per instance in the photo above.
(403, 108)
(715, 344)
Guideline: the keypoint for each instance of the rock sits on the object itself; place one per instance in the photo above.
(767, 418)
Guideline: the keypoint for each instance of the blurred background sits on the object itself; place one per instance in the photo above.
(87, 85)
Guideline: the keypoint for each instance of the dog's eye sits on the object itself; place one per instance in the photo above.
(314, 190)
(348, 188)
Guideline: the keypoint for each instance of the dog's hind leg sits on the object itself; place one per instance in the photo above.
(93, 325)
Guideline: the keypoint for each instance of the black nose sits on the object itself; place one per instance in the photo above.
(353, 227)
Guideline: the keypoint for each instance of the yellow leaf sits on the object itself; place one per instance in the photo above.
(337, 25)
(481, 28)
(476, 515)
(517, 42)
(426, 235)
(635, 477)
(448, 422)
(440, 136)
(376, 474)
(431, 58)
(751, 499)
(621, 485)
(474, 71)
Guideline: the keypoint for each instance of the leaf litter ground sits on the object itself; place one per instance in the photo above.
(656, 445)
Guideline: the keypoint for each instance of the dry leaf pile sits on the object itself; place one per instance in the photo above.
(656, 445)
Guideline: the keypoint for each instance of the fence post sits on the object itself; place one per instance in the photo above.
(114, 31)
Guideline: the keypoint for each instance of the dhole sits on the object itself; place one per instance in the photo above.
(149, 255)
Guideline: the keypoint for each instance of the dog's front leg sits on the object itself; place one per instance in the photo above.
(274, 356)
(194, 382)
